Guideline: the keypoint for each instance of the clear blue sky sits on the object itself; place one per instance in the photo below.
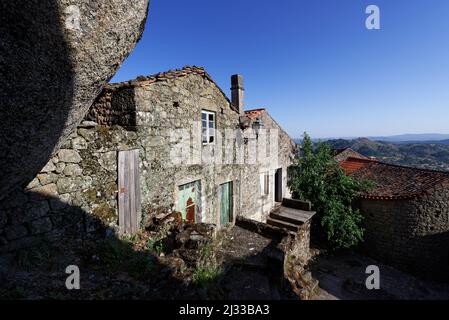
(312, 63)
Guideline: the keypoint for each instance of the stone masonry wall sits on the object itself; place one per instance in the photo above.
(76, 192)
(410, 234)
(167, 111)
(255, 204)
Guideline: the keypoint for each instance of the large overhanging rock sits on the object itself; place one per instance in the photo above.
(55, 56)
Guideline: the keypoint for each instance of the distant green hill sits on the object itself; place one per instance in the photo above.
(421, 154)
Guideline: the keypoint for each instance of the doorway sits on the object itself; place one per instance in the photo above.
(226, 203)
(278, 185)
(189, 202)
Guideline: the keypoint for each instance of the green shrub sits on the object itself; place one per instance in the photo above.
(204, 276)
(318, 178)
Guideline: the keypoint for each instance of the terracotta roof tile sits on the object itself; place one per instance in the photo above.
(394, 181)
(254, 113)
(345, 153)
(350, 165)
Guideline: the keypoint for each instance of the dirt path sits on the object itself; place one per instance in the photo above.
(342, 277)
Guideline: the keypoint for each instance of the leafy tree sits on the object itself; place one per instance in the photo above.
(318, 178)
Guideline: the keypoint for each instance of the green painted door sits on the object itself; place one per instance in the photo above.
(189, 201)
(226, 203)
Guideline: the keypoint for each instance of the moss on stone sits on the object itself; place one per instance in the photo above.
(103, 130)
(90, 195)
(105, 212)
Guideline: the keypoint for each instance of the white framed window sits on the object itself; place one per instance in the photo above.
(208, 127)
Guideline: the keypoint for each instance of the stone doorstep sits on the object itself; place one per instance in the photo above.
(283, 224)
(289, 220)
(294, 216)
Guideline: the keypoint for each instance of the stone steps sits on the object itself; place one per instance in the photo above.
(290, 217)
(282, 224)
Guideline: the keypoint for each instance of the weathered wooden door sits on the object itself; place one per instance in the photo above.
(189, 202)
(278, 185)
(129, 205)
(226, 203)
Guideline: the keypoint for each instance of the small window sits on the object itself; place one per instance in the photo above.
(208, 127)
(265, 183)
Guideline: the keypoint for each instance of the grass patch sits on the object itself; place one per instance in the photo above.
(205, 276)
(114, 255)
(207, 251)
(36, 257)
(155, 246)
(111, 254)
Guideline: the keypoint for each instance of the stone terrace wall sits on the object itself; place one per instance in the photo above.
(410, 234)
(432, 234)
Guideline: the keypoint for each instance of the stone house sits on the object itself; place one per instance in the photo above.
(406, 215)
(158, 144)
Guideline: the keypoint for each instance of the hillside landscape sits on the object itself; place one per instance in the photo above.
(424, 154)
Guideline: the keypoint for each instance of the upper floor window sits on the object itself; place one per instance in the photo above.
(208, 126)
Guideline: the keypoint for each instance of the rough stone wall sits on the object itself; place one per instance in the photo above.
(74, 194)
(82, 177)
(166, 108)
(255, 204)
(56, 57)
(300, 248)
(76, 191)
(292, 250)
(410, 234)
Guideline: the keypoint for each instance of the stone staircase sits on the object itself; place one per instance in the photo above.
(290, 215)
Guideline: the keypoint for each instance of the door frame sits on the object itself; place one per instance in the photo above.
(278, 189)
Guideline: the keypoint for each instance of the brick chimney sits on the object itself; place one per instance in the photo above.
(237, 92)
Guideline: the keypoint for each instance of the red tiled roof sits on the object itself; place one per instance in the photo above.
(345, 153)
(350, 165)
(340, 150)
(393, 181)
(254, 113)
